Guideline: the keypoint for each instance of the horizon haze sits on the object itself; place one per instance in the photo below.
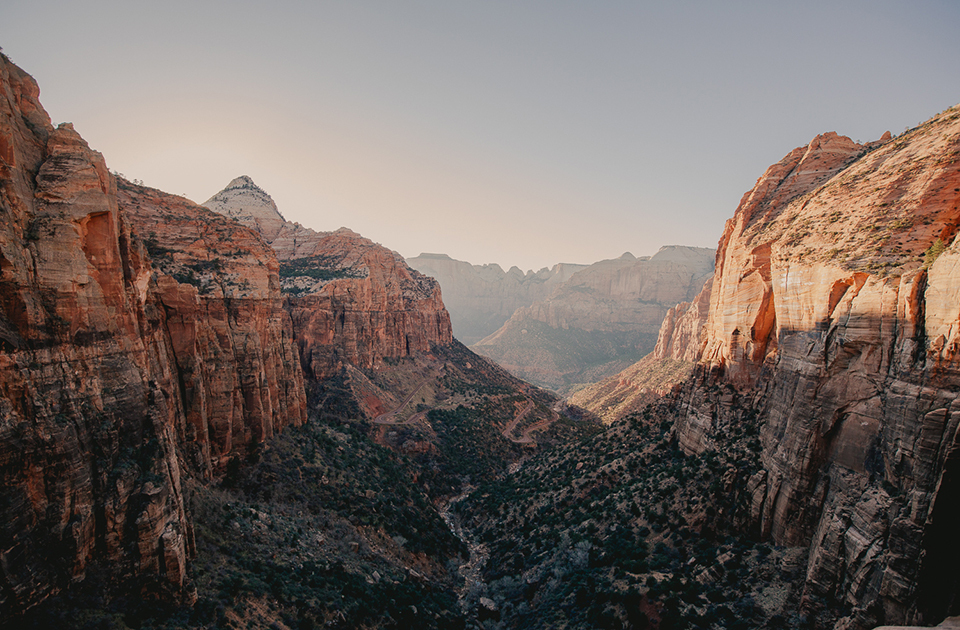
(492, 132)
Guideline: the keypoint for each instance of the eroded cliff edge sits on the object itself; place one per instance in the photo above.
(119, 378)
(351, 300)
(833, 321)
(145, 339)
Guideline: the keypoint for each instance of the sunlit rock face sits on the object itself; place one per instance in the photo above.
(481, 298)
(90, 407)
(351, 300)
(145, 339)
(827, 317)
(237, 365)
(601, 320)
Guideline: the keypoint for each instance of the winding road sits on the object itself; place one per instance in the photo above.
(527, 436)
(387, 418)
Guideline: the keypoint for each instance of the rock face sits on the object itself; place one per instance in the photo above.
(351, 300)
(481, 298)
(603, 319)
(145, 339)
(655, 375)
(90, 407)
(830, 319)
(237, 366)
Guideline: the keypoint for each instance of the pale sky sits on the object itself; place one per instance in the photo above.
(519, 132)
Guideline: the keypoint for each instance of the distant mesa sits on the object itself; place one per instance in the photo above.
(571, 323)
(600, 320)
(481, 298)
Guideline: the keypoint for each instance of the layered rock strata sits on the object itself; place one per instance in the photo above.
(603, 319)
(144, 339)
(481, 298)
(89, 407)
(833, 318)
(350, 299)
(655, 375)
(237, 366)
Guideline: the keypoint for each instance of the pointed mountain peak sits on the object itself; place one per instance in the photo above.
(244, 181)
(249, 204)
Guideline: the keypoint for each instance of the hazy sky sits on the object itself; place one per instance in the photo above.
(519, 132)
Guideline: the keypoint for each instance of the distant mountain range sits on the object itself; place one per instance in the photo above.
(572, 324)
(480, 298)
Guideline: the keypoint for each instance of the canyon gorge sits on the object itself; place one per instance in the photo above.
(213, 417)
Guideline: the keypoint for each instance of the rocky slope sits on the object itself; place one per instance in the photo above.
(351, 301)
(805, 474)
(481, 298)
(832, 316)
(603, 319)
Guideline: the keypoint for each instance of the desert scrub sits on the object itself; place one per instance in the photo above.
(933, 252)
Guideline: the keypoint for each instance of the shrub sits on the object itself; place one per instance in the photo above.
(933, 252)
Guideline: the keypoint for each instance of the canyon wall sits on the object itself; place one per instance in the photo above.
(350, 299)
(833, 320)
(481, 298)
(655, 375)
(601, 320)
(88, 428)
(236, 365)
(144, 340)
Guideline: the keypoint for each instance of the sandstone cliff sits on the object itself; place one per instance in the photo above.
(350, 299)
(236, 365)
(88, 428)
(603, 319)
(143, 339)
(481, 298)
(834, 322)
(655, 375)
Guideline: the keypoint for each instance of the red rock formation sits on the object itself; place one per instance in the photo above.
(393, 312)
(143, 338)
(88, 462)
(824, 318)
(117, 367)
(238, 368)
(351, 300)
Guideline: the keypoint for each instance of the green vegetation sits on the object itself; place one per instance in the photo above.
(933, 252)
(626, 531)
(321, 267)
(158, 251)
(319, 529)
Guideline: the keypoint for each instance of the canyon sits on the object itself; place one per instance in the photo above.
(833, 316)
(601, 320)
(807, 398)
(481, 298)
(215, 417)
(151, 344)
